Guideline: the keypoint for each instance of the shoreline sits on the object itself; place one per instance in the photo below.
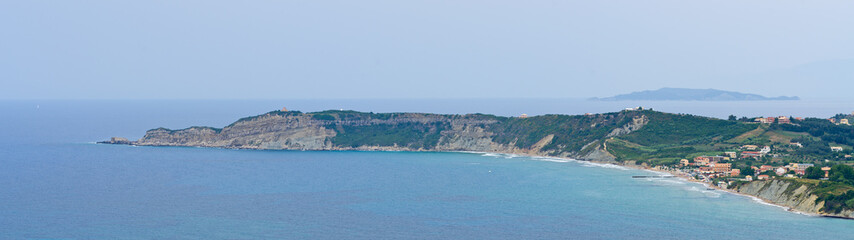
(678, 175)
(603, 164)
(729, 191)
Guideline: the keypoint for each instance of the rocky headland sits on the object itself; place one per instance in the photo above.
(629, 136)
(578, 137)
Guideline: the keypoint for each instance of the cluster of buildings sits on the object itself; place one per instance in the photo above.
(843, 121)
(780, 119)
(711, 166)
(798, 168)
(788, 120)
(751, 151)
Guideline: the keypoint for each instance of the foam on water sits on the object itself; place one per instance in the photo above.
(707, 193)
(668, 181)
(497, 155)
(550, 159)
(602, 165)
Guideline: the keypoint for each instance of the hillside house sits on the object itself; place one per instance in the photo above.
(730, 154)
(800, 166)
(836, 149)
(721, 167)
(735, 172)
(765, 150)
(701, 161)
(751, 154)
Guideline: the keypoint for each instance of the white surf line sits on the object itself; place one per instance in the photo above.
(751, 197)
(657, 172)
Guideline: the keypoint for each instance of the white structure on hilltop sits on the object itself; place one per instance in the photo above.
(765, 150)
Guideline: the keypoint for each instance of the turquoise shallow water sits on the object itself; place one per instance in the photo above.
(56, 185)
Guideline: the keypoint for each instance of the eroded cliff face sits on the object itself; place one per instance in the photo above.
(636, 124)
(789, 193)
(785, 193)
(297, 131)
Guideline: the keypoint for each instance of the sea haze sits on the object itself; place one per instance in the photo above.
(57, 184)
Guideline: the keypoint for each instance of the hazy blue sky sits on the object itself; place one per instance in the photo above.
(422, 49)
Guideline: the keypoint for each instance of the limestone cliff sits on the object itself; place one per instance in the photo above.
(790, 193)
(549, 135)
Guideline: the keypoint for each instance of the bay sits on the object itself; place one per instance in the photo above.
(57, 184)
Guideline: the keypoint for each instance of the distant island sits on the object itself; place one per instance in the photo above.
(688, 94)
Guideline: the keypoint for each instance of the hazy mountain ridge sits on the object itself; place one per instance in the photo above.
(688, 94)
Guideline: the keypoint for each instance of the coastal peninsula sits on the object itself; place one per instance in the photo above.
(790, 161)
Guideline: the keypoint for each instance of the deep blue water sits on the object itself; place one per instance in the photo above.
(57, 184)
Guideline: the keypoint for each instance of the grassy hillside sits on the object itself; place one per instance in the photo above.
(670, 137)
(413, 135)
(571, 132)
(666, 129)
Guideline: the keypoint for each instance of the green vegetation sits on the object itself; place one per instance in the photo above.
(675, 129)
(571, 133)
(412, 135)
(216, 130)
(823, 129)
(273, 113)
(670, 137)
(323, 117)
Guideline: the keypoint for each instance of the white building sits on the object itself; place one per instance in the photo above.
(780, 171)
(765, 150)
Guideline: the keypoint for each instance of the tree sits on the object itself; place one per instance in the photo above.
(842, 173)
(813, 173)
(732, 118)
(748, 171)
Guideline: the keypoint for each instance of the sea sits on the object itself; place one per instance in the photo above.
(56, 183)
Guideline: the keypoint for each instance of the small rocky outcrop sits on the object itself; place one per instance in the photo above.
(117, 140)
(636, 124)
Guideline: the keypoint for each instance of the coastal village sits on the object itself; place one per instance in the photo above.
(761, 162)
